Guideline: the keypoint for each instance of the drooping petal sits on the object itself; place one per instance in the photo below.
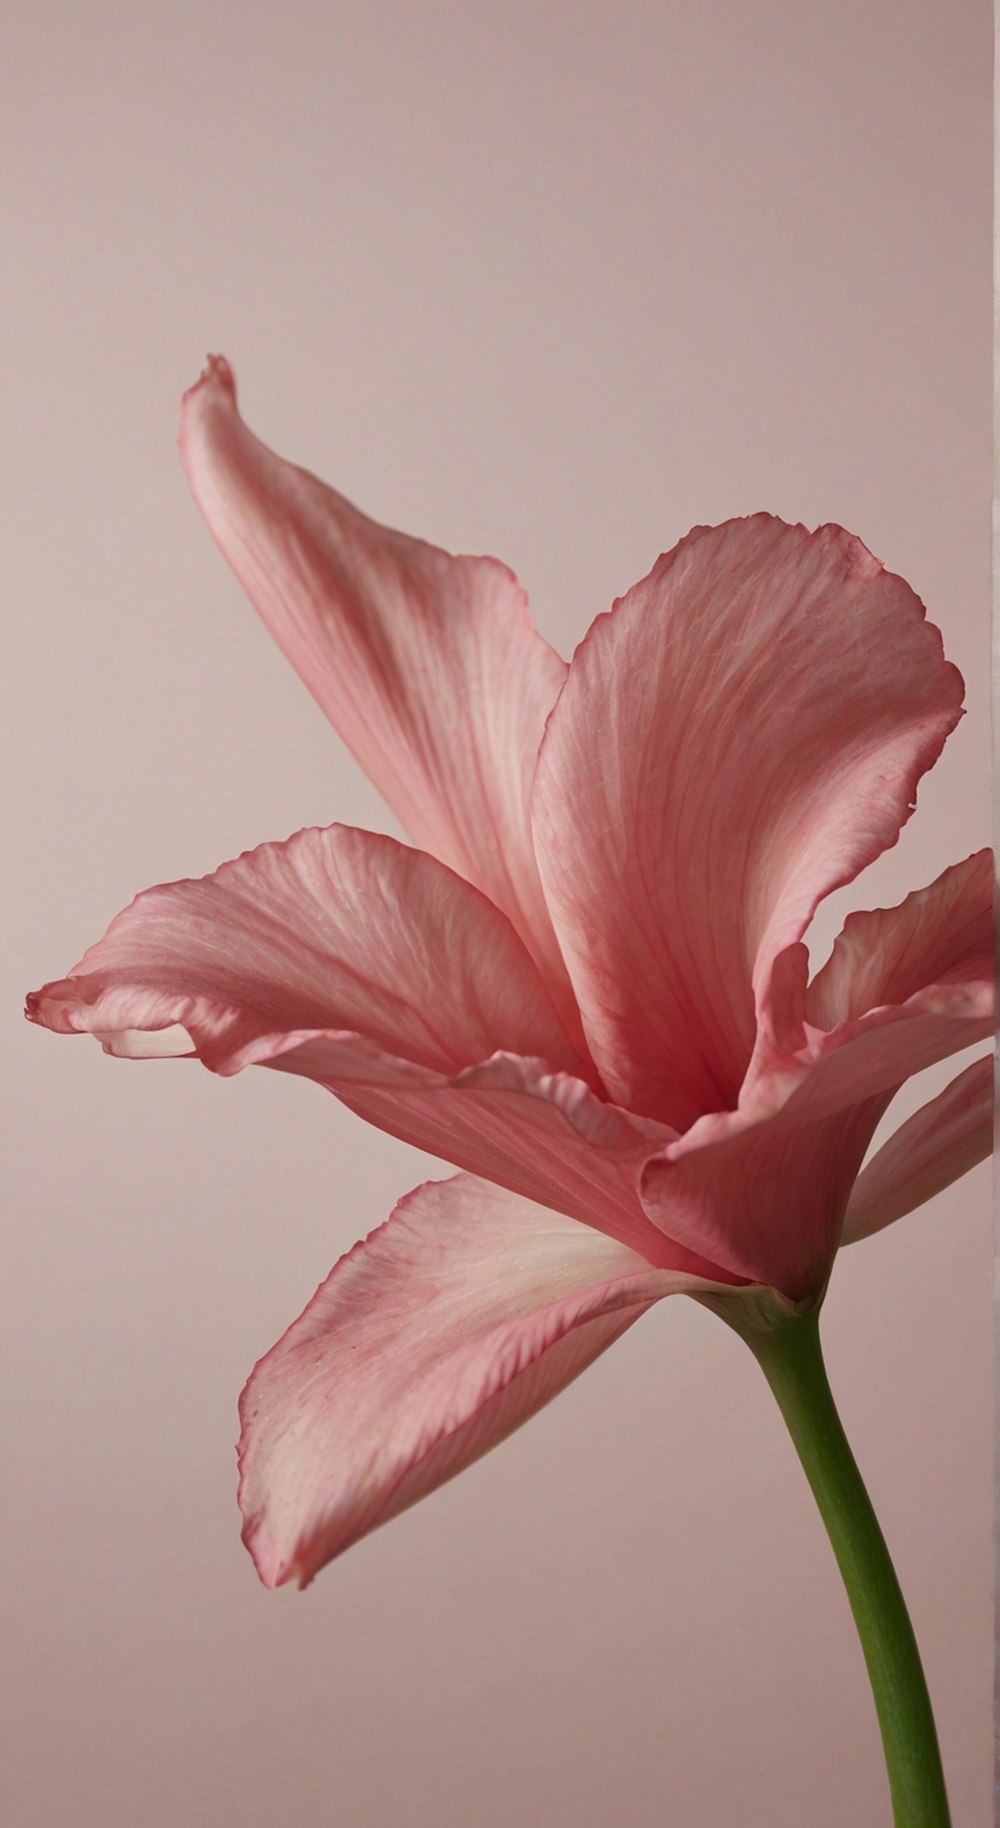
(428, 665)
(938, 1144)
(427, 1345)
(374, 970)
(334, 929)
(741, 735)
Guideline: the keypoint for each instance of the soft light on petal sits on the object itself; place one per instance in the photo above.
(374, 970)
(903, 988)
(334, 929)
(541, 1134)
(427, 1345)
(764, 1197)
(763, 1190)
(888, 955)
(587, 988)
(544, 1135)
(933, 1148)
(428, 665)
(741, 735)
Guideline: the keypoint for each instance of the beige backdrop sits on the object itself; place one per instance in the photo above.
(552, 281)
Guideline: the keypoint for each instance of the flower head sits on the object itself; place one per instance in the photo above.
(585, 985)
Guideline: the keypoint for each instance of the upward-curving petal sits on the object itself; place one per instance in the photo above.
(933, 1148)
(742, 734)
(427, 1345)
(428, 665)
(904, 987)
(882, 956)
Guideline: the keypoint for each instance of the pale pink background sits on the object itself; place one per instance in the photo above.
(553, 281)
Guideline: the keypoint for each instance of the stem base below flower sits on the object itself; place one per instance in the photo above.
(790, 1356)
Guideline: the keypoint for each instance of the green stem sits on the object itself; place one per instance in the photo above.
(791, 1359)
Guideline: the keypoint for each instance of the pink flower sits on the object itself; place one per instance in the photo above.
(586, 986)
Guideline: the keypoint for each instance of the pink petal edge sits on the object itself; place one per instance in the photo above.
(932, 1149)
(765, 1188)
(427, 1345)
(428, 665)
(374, 970)
(727, 795)
(332, 929)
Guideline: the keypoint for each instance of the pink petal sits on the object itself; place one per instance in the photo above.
(904, 987)
(763, 1190)
(764, 1197)
(428, 665)
(941, 1142)
(887, 955)
(427, 1345)
(371, 968)
(741, 735)
(335, 929)
(542, 1135)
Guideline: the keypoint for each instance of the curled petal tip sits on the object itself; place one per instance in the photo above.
(53, 1006)
(215, 378)
(271, 1570)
